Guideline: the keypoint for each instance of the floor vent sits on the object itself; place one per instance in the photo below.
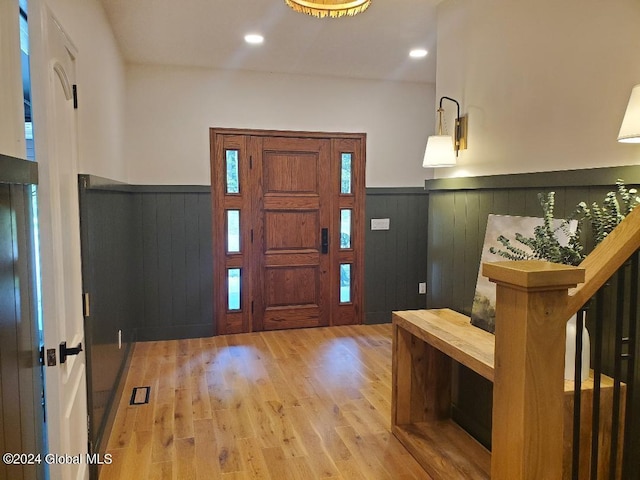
(140, 395)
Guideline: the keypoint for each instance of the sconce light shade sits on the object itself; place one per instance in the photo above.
(439, 152)
(442, 150)
(630, 129)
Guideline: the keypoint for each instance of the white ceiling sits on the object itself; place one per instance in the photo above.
(209, 33)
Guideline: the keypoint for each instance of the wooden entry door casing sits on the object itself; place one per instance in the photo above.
(294, 243)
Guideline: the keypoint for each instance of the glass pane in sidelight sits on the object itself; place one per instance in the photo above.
(233, 231)
(233, 288)
(345, 228)
(345, 173)
(345, 282)
(233, 172)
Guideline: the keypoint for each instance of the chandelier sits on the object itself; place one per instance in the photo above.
(329, 8)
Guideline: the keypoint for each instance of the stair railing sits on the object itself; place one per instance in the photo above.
(534, 299)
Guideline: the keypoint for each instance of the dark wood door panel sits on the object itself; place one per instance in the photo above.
(293, 210)
(291, 230)
(278, 318)
(291, 272)
(290, 173)
(230, 320)
(285, 202)
(293, 258)
(348, 311)
(287, 286)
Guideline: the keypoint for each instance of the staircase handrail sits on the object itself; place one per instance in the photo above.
(608, 256)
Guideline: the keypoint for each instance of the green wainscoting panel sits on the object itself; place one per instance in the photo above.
(395, 259)
(167, 247)
(162, 235)
(177, 264)
(111, 275)
(457, 211)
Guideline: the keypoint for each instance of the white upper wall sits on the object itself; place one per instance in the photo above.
(11, 102)
(170, 110)
(545, 83)
(100, 75)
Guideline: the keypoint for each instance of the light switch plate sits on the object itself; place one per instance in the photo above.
(379, 224)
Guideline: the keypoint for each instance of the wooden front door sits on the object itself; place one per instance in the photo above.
(288, 218)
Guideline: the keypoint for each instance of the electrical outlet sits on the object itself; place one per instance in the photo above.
(422, 287)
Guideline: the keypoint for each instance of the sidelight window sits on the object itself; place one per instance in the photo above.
(233, 171)
(233, 231)
(345, 173)
(234, 280)
(345, 282)
(345, 228)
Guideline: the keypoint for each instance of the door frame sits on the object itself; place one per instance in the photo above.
(225, 138)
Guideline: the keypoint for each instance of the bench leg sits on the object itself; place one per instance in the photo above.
(421, 380)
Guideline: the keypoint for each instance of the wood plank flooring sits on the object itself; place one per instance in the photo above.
(291, 404)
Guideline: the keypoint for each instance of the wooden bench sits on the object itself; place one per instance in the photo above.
(425, 343)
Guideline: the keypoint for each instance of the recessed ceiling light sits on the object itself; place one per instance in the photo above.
(254, 38)
(418, 53)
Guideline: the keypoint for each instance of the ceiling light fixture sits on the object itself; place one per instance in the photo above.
(254, 38)
(442, 150)
(418, 53)
(630, 128)
(329, 8)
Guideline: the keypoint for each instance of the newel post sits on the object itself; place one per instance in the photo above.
(531, 301)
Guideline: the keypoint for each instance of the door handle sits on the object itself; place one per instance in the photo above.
(65, 351)
(325, 240)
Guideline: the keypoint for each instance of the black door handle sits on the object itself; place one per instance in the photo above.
(325, 240)
(65, 352)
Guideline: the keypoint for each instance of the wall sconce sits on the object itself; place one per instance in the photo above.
(442, 150)
(630, 128)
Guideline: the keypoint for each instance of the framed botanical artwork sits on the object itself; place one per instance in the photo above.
(483, 311)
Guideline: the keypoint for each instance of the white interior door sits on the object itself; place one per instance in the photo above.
(56, 149)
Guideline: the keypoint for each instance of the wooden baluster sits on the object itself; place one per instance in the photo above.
(531, 301)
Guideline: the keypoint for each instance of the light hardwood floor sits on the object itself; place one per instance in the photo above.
(291, 404)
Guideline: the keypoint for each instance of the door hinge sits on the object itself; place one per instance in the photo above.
(252, 235)
(251, 307)
(250, 162)
(86, 305)
(75, 97)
